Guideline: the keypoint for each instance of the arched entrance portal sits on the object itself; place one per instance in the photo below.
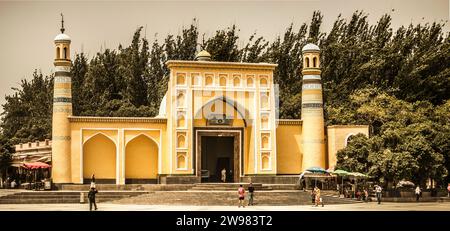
(141, 160)
(99, 158)
(219, 129)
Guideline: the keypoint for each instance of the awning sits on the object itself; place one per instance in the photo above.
(36, 165)
(316, 170)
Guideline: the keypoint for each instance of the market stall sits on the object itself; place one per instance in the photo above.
(37, 175)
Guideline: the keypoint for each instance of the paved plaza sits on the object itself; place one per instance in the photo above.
(431, 206)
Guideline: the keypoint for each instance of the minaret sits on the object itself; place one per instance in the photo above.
(312, 109)
(62, 109)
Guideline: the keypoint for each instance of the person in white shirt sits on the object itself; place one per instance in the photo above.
(378, 190)
(418, 191)
(13, 184)
(224, 175)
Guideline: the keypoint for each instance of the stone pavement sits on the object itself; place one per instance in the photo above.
(133, 207)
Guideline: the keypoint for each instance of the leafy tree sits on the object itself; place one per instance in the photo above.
(5, 157)
(78, 72)
(27, 113)
(354, 157)
(134, 62)
(223, 46)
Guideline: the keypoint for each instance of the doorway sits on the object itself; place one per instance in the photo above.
(217, 154)
(218, 148)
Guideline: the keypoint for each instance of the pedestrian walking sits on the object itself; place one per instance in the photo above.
(378, 190)
(318, 198)
(241, 193)
(251, 191)
(417, 192)
(224, 175)
(366, 195)
(91, 197)
(93, 181)
(448, 190)
(313, 196)
(13, 184)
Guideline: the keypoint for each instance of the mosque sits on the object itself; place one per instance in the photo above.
(214, 116)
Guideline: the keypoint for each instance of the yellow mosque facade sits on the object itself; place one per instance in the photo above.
(214, 116)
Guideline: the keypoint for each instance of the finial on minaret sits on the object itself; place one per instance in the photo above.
(62, 24)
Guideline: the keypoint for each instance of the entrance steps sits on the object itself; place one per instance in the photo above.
(206, 198)
(235, 186)
(127, 187)
(52, 197)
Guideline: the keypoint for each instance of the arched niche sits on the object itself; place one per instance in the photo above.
(181, 140)
(181, 120)
(264, 100)
(181, 79)
(223, 81)
(181, 99)
(250, 82)
(141, 158)
(181, 160)
(265, 161)
(265, 141)
(263, 82)
(209, 80)
(99, 157)
(264, 122)
(236, 82)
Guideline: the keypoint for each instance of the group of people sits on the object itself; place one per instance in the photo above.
(10, 184)
(241, 194)
(364, 195)
(316, 197)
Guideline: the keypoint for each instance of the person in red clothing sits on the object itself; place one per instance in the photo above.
(241, 193)
(448, 190)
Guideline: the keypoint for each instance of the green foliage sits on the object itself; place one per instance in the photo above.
(27, 113)
(353, 158)
(408, 140)
(5, 156)
(223, 45)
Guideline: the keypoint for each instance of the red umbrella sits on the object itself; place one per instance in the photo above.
(36, 165)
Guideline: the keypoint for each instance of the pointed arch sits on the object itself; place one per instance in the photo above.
(143, 134)
(347, 138)
(181, 140)
(99, 133)
(241, 110)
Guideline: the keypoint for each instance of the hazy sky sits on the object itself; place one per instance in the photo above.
(27, 29)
